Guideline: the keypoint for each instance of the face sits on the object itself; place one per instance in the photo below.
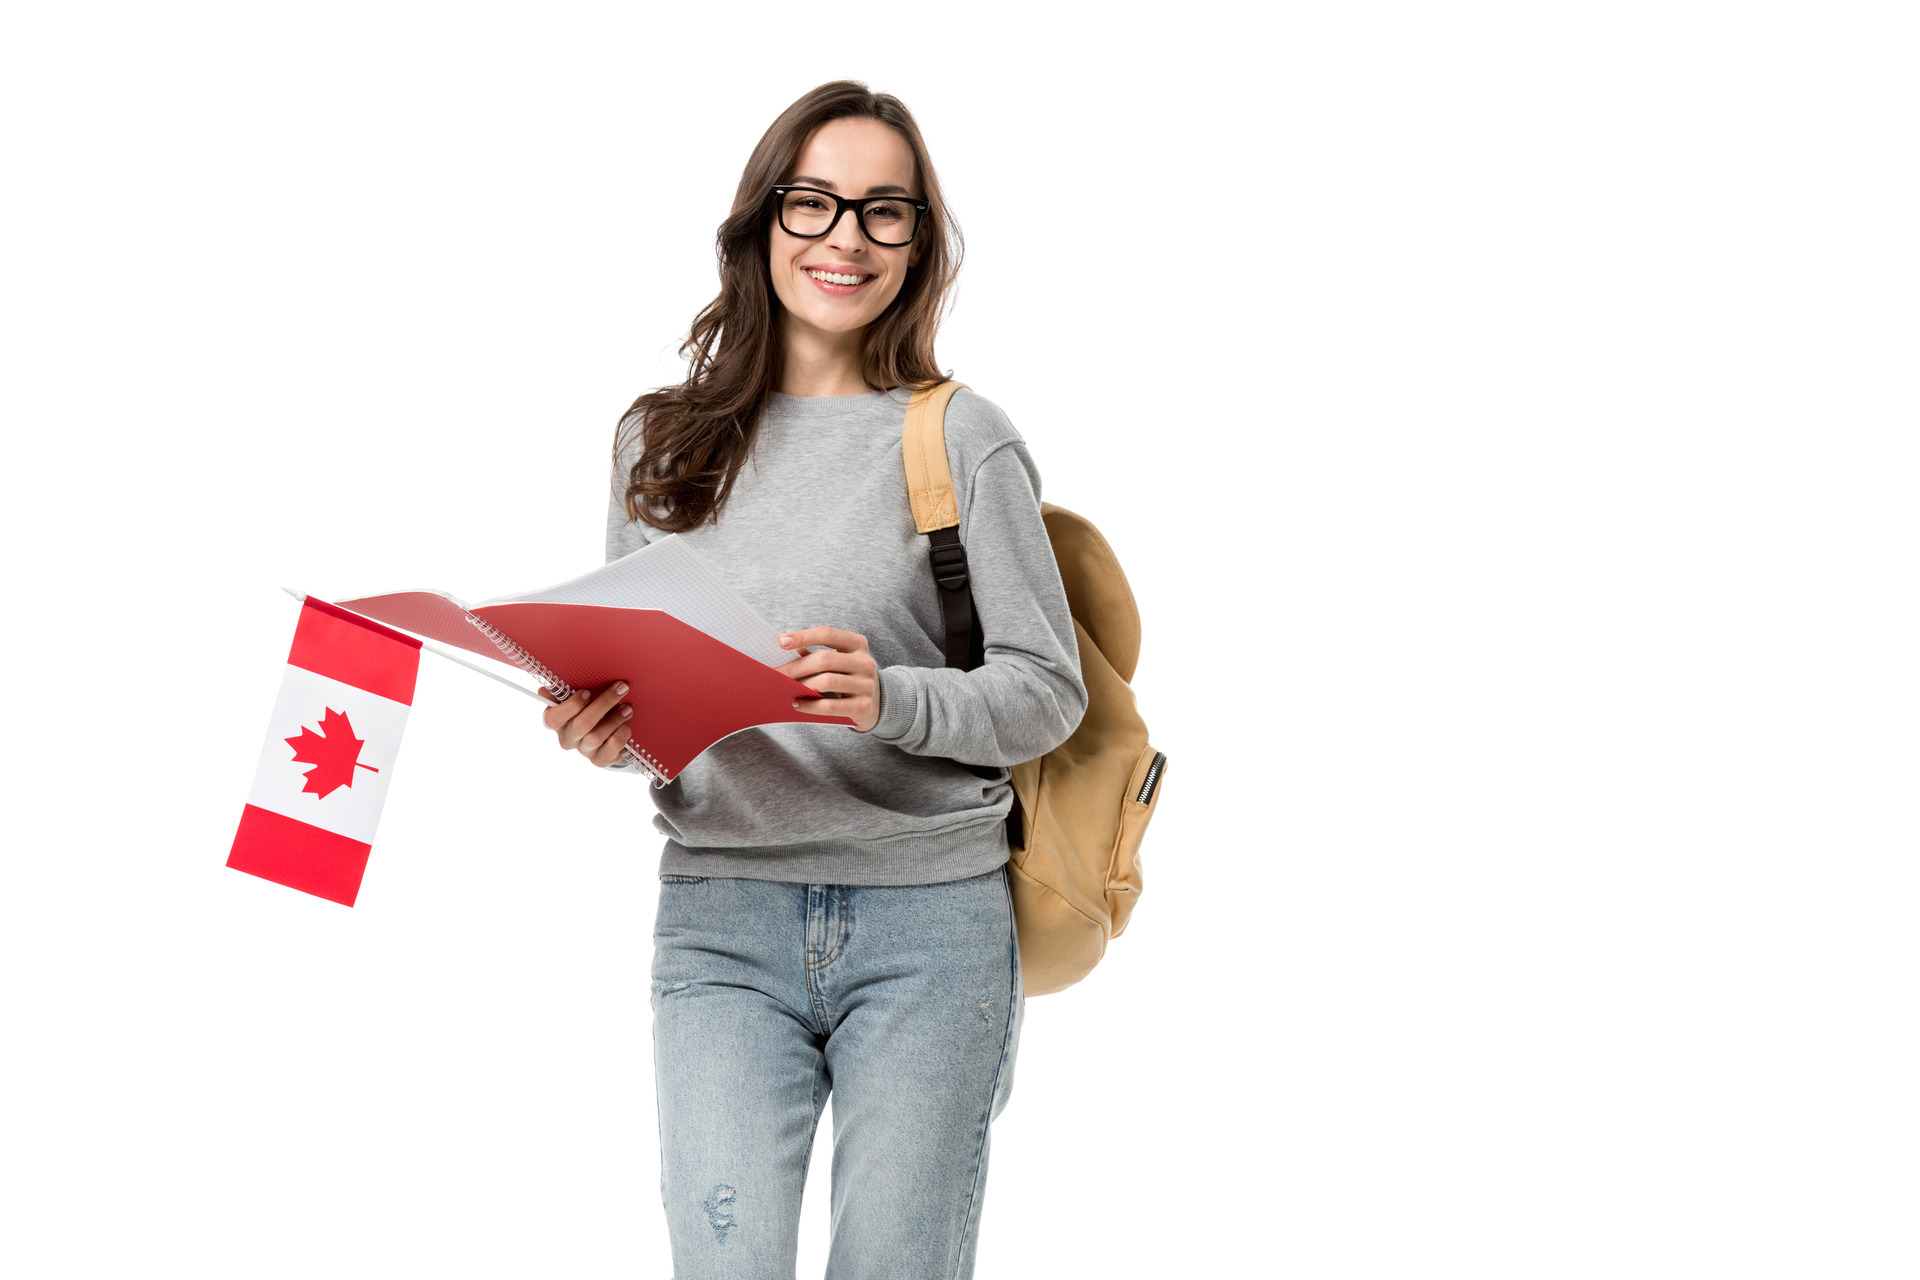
(851, 158)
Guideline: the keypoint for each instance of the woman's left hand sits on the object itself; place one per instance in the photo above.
(843, 671)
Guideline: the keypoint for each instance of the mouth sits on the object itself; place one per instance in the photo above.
(839, 283)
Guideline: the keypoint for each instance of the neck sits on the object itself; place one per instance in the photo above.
(821, 364)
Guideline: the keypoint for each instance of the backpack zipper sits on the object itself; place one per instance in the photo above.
(1153, 776)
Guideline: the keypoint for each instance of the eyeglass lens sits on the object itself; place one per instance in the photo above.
(807, 213)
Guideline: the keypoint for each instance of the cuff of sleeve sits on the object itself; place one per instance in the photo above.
(898, 698)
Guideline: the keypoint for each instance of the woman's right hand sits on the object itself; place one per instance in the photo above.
(592, 725)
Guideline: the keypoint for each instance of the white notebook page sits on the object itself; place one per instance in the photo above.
(667, 575)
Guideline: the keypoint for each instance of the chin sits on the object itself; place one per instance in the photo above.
(831, 319)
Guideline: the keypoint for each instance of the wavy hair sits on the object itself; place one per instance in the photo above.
(695, 436)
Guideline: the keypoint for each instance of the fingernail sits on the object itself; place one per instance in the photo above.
(786, 641)
(625, 710)
(621, 687)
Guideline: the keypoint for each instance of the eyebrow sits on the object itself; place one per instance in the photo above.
(824, 185)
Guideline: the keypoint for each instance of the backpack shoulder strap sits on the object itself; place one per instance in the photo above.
(936, 513)
(924, 448)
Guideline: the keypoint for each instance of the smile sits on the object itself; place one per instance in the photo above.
(838, 283)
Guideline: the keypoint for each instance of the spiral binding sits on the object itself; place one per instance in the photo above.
(522, 659)
(562, 691)
(654, 768)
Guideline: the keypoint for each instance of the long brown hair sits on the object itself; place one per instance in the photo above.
(697, 435)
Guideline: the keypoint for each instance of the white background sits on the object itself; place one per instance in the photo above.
(1505, 414)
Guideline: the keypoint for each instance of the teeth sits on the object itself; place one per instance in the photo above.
(833, 277)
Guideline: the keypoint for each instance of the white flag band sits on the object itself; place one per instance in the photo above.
(329, 754)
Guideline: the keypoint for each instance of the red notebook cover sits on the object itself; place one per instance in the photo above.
(687, 689)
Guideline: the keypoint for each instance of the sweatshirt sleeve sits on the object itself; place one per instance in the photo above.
(1026, 698)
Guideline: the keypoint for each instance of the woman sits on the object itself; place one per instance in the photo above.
(834, 914)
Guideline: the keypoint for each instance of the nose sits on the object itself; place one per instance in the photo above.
(845, 233)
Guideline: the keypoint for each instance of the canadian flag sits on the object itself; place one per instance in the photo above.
(329, 754)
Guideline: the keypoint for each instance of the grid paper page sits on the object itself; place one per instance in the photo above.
(668, 576)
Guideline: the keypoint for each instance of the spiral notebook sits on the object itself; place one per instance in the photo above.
(699, 662)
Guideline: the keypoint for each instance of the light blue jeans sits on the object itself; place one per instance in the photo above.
(903, 1001)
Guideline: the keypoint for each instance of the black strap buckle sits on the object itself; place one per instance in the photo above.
(949, 566)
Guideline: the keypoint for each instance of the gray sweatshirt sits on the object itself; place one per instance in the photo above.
(818, 532)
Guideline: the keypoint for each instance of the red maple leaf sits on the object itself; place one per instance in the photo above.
(334, 755)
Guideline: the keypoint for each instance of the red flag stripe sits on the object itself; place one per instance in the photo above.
(290, 852)
(354, 650)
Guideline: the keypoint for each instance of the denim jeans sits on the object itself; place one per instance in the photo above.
(903, 1001)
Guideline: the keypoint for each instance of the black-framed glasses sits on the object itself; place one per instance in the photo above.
(810, 213)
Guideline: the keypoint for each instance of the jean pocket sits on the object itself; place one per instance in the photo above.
(684, 879)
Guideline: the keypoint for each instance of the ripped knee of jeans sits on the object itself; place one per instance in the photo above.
(719, 1207)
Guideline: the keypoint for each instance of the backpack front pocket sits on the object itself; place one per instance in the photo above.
(1136, 810)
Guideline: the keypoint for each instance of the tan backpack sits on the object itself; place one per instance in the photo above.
(1080, 810)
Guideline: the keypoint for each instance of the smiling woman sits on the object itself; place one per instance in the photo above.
(774, 328)
(831, 275)
(834, 912)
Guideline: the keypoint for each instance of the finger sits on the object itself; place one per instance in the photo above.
(853, 708)
(564, 710)
(608, 696)
(855, 661)
(613, 724)
(568, 711)
(819, 660)
(840, 682)
(833, 637)
(610, 750)
(590, 716)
